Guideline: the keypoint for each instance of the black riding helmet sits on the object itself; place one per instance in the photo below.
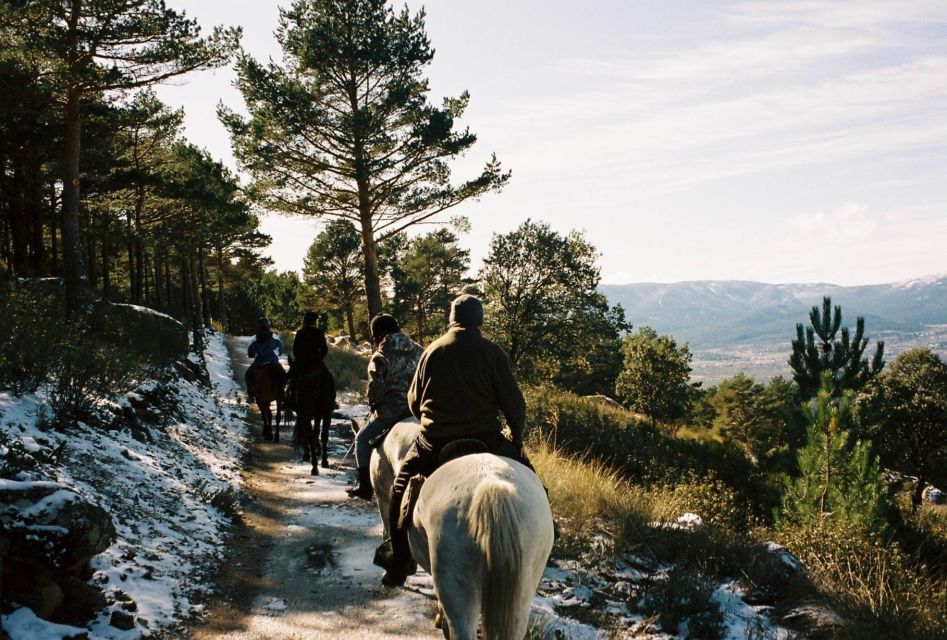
(263, 324)
(383, 325)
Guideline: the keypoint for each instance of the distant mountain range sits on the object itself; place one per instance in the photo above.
(734, 325)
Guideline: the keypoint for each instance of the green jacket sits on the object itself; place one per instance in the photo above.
(390, 370)
(462, 384)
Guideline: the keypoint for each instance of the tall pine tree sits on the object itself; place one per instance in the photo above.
(344, 128)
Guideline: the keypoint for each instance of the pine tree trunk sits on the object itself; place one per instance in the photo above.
(139, 249)
(157, 282)
(372, 277)
(189, 283)
(73, 260)
(350, 319)
(17, 218)
(36, 208)
(131, 257)
(195, 300)
(221, 300)
(106, 284)
(205, 301)
(53, 250)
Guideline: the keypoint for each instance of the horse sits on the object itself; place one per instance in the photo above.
(313, 399)
(482, 527)
(268, 388)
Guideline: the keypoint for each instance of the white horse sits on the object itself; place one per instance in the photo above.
(482, 528)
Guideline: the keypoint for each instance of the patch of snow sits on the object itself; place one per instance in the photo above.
(742, 620)
(169, 534)
(146, 311)
(23, 624)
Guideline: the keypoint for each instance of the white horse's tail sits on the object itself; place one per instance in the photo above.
(493, 520)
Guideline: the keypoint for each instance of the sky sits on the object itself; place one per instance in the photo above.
(782, 141)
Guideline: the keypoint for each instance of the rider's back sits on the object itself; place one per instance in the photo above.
(462, 383)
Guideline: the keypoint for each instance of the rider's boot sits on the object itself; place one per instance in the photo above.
(363, 489)
(399, 564)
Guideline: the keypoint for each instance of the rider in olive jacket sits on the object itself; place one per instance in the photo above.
(463, 382)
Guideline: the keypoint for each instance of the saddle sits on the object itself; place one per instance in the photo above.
(451, 451)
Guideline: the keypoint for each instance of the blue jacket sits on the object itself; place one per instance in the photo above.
(266, 348)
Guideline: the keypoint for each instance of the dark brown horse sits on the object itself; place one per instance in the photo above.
(268, 388)
(312, 397)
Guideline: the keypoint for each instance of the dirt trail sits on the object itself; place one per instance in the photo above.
(299, 565)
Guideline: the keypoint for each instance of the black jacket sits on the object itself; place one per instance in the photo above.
(309, 347)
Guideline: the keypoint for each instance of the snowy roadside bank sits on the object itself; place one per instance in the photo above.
(169, 484)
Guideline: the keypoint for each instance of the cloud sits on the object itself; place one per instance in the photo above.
(807, 88)
(846, 224)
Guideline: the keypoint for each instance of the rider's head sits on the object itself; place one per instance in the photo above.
(467, 311)
(263, 324)
(310, 319)
(382, 325)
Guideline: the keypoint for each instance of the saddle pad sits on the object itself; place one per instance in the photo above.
(411, 495)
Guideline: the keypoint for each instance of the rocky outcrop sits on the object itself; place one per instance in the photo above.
(48, 534)
(154, 336)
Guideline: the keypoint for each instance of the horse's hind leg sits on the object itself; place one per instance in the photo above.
(326, 423)
(459, 603)
(267, 426)
(279, 418)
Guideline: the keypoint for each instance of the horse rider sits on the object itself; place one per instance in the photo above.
(309, 346)
(462, 383)
(265, 349)
(390, 369)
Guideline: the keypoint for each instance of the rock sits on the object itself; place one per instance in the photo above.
(122, 620)
(49, 525)
(31, 588)
(157, 337)
(933, 494)
(763, 595)
(813, 619)
(790, 561)
(81, 601)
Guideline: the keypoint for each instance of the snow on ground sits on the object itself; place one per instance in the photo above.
(159, 494)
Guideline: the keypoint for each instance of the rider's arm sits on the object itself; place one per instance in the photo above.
(251, 350)
(377, 372)
(414, 393)
(509, 396)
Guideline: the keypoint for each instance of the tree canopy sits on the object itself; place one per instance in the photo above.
(542, 303)
(344, 127)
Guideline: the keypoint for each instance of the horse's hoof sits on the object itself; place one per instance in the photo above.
(314, 472)
(325, 463)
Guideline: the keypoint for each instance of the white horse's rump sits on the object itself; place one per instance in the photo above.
(483, 529)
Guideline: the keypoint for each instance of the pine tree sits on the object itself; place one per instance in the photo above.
(96, 46)
(841, 358)
(840, 478)
(344, 129)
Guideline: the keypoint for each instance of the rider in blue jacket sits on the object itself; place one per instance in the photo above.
(265, 349)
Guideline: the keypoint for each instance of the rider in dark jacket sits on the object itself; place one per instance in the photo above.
(309, 345)
(462, 383)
